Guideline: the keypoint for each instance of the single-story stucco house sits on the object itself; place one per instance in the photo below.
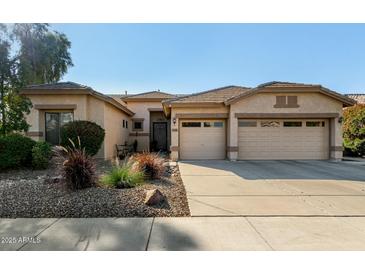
(275, 120)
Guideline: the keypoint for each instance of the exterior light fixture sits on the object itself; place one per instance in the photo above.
(174, 120)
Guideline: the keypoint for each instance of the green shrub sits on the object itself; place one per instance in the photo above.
(354, 129)
(41, 154)
(77, 167)
(90, 133)
(123, 177)
(15, 151)
(151, 164)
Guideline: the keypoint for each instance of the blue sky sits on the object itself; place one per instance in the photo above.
(185, 58)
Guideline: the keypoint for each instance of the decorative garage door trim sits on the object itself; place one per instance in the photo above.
(286, 115)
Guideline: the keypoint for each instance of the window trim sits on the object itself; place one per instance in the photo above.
(138, 121)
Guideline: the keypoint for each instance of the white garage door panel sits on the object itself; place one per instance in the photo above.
(200, 143)
(286, 143)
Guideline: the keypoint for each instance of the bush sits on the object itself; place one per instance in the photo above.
(151, 164)
(77, 167)
(90, 133)
(41, 154)
(123, 177)
(354, 129)
(15, 151)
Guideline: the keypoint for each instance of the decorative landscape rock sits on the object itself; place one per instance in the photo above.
(154, 197)
(54, 180)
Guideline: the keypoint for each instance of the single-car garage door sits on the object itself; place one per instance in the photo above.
(283, 139)
(202, 139)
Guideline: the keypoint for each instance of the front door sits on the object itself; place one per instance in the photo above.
(159, 140)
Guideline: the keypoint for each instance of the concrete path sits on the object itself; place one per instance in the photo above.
(274, 188)
(195, 233)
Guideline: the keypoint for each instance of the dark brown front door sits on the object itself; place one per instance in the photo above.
(159, 138)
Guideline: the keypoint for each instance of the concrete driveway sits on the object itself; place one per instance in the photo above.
(274, 188)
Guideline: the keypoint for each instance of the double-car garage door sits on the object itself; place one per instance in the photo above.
(283, 139)
(269, 139)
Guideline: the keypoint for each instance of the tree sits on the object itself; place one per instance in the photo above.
(42, 57)
(354, 129)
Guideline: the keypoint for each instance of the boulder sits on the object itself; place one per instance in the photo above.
(154, 197)
(54, 180)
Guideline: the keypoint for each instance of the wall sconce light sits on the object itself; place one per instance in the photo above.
(340, 120)
(174, 120)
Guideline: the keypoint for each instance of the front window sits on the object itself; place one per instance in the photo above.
(54, 122)
(137, 125)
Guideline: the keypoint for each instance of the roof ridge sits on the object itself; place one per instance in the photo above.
(203, 92)
(144, 93)
(59, 83)
(283, 82)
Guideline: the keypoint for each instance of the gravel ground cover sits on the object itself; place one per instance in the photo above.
(28, 193)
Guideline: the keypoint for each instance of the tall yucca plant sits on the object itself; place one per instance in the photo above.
(77, 167)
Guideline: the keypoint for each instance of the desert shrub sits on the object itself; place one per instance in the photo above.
(41, 154)
(77, 167)
(123, 177)
(91, 135)
(354, 129)
(15, 151)
(151, 164)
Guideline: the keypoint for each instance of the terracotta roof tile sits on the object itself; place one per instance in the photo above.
(59, 85)
(359, 98)
(218, 95)
(150, 95)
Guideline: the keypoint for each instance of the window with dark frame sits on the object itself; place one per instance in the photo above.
(213, 124)
(126, 124)
(191, 124)
(292, 124)
(315, 124)
(123, 123)
(247, 123)
(137, 125)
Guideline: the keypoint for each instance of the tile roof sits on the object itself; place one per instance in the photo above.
(149, 95)
(218, 95)
(286, 84)
(59, 85)
(359, 98)
(74, 88)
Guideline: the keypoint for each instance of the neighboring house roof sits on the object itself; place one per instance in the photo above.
(215, 96)
(72, 88)
(147, 96)
(359, 97)
(299, 87)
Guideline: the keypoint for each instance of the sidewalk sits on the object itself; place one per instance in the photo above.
(196, 233)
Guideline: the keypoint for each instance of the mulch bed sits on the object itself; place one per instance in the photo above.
(28, 193)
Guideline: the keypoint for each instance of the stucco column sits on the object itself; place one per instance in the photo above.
(336, 147)
(174, 147)
(232, 135)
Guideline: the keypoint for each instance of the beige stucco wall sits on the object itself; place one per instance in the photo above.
(308, 103)
(87, 108)
(175, 127)
(141, 112)
(114, 131)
